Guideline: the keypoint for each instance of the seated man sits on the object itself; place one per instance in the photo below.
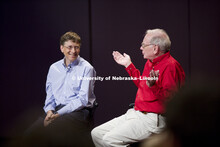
(162, 76)
(69, 98)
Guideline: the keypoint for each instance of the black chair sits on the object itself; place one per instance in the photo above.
(92, 113)
(131, 105)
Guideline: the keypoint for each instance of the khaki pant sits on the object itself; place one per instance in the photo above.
(131, 127)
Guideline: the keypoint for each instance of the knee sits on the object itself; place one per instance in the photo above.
(110, 140)
(106, 140)
(95, 133)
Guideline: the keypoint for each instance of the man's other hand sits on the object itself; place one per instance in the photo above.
(48, 119)
(54, 116)
(153, 74)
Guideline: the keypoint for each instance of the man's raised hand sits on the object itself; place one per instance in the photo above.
(124, 59)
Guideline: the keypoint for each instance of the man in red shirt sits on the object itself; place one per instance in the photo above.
(162, 76)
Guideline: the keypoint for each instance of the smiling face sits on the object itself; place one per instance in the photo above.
(70, 50)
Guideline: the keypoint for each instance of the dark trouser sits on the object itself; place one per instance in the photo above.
(72, 129)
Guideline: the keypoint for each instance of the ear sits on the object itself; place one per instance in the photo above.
(62, 48)
(156, 50)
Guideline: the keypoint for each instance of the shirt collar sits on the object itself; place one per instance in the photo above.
(160, 58)
(75, 62)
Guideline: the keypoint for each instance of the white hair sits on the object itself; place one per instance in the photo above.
(161, 39)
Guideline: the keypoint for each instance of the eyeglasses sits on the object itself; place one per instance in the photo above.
(71, 47)
(145, 45)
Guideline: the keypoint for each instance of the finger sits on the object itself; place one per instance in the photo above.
(114, 53)
(117, 54)
(153, 73)
(157, 73)
(148, 84)
(49, 114)
(53, 116)
(47, 118)
(126, 55)
(117, 58)
(47, 123)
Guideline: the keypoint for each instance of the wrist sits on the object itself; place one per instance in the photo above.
(50, 111)
(54, 112)
(126, 65)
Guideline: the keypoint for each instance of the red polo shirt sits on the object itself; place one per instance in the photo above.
(171, 77)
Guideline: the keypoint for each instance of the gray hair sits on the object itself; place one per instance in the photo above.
(161, 39)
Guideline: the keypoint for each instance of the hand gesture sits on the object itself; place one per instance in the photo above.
(153, 74)
(124, 59)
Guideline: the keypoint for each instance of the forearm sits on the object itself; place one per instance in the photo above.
(135, 73)
(73, 105)
(50, 100)
(49, 105)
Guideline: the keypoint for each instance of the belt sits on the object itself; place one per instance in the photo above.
(144, 112)
(162, 114)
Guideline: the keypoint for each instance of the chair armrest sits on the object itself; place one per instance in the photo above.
(131, 105)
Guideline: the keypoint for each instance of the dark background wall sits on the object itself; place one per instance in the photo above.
(30, 33)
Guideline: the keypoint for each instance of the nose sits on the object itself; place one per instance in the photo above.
(73, 50)
(141, 48)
